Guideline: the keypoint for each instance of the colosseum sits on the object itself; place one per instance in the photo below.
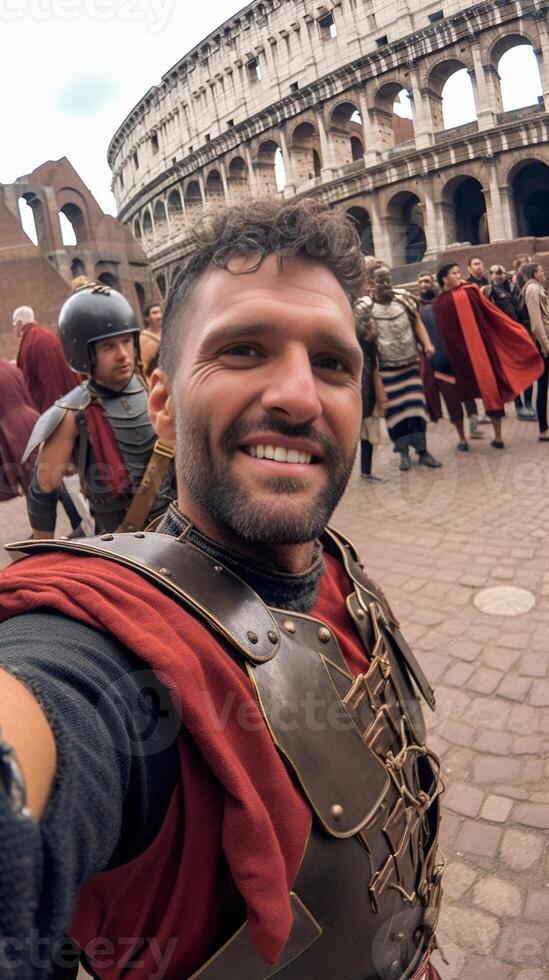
(348, 101)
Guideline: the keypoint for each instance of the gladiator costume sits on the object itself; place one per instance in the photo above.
(300, 837)
(406, 412)
(125, 472)
(493, 356)
(97, 457)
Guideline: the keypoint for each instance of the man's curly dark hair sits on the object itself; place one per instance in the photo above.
(257, 229)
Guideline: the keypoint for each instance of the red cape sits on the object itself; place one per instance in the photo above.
(42, 360)
(492, 355)
(17, 418)
(245, 822)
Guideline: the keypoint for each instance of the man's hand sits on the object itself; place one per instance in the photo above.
(25, 729)
(429, 351)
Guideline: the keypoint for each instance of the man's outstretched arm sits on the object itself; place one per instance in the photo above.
(69, 706)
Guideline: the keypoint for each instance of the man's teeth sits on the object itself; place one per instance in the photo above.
(278, 453)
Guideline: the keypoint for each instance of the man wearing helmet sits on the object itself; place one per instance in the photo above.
(101, 425)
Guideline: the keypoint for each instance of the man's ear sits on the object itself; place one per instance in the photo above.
(161, 409)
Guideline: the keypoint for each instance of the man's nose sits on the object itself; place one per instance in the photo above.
(291, 388)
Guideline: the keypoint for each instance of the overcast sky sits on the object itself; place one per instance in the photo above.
(71, 70)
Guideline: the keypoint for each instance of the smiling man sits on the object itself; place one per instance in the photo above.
(102, 426)
(219, 731)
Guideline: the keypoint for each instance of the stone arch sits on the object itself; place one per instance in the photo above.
(265, 168)
(106, 274)
(175, 204)
(74, 214)
(140, 293)
(137, 228)
(192, 195)
(31, 218)
(159, 212)
(442, 81)
(406, 228)
(513, 55)
(161, 283)
(305, 152)
(147, 222)
(464, 211)
(392, 126)
(346, 133)
(363, 224)
(237, 178)
(529, 180)
(214, 186)
(77, 268)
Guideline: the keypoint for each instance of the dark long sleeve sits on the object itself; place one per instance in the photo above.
(117, 765)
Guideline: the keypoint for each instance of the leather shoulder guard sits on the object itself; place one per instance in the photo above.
(75, 400)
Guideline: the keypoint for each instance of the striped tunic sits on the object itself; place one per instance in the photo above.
(406, 413)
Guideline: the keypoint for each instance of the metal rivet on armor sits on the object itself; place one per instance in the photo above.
(397, 937)
(218, 569)
(324, 634)
(273, 637)
(165, 571)
(107, 537)
(139, 534)
(289, 626)
(337, 811)
(252, 636)
(360, 614)
(395, 965)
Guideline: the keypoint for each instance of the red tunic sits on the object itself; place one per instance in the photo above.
(17, 418)
(492, 355)
(43, 363)
(237, 825)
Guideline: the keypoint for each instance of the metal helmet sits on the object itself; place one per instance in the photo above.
(93, 313)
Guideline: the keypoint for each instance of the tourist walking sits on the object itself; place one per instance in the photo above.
(493, 357)
(400, 335)
(17, 419)
(535, 298)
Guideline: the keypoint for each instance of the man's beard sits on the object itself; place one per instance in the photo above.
(209, 480)
(428, 295)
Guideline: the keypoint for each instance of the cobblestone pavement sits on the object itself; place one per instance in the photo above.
(432, 539)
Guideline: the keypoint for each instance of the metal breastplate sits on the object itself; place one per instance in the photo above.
(128, 415)
(365, 899)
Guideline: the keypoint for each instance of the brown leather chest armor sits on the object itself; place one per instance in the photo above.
(366, 897)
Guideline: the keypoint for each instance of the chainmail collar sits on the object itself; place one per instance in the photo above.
(297, 593)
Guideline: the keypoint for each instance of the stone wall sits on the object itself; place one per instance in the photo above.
(292, 99)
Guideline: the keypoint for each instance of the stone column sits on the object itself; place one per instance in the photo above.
(498, 211)
(372, 136)
(430, 225)
(223, 173)
(202, 185)
(424, 130)
(251, 172)
(326, 149)
(542, 54)
(289, 187)
(380, 232)
(485, 95)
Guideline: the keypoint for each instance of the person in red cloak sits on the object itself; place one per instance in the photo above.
(176, 791)
(17, 418)
(42, 361)
(493, 357)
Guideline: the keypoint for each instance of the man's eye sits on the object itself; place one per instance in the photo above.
(331, 364)
(240, 350)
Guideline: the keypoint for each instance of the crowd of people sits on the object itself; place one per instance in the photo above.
(448, 345)
(469, 346)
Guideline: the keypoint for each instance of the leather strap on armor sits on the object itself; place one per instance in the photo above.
(145, 495)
